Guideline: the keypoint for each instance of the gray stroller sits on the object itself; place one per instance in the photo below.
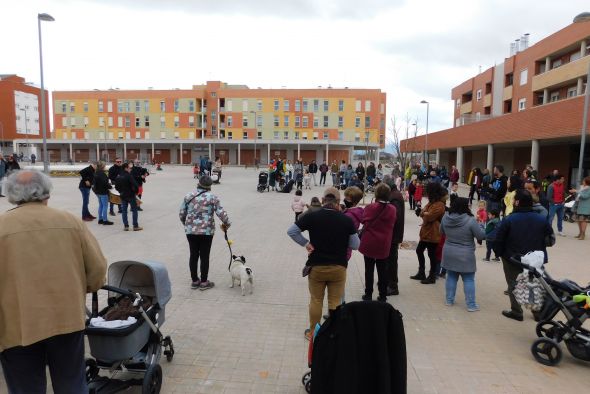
(136, 348)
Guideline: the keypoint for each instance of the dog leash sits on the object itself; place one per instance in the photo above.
(231, 254)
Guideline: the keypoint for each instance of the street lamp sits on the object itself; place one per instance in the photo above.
(583, 17)
(44, 18)
(426, 139)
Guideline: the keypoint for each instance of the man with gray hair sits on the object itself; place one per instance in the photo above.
(50, 260)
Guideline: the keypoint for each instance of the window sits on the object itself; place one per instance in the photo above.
(162, 107)
(276, 135)
(146, 120)
(367, 122)
(357, 106)
(509, 79)
(286, 105)
(304, 136)
(296, 135)
(73, 107)
(101, 121)
(100, 106)
(127, 121)
(259, 135)
(285, 135)
(120, 135)
(341, 135)
(573, 91)
(137, 121)
(316, 121)
(556, 63)
(458, 103)
(340, 121)
(245, 135)
(258, 120)
(229, 105)
(162, 134)
(146, 105)
(554, 96)
(357, 121)
(120, 106)
(478, 95)
(297, 105)
(73, 121)
(120, 121)
(85, 107)
(176, 134)
(368, 106)
(176, 121)
(191, 106)
(230, 135)
(126, 106)
(326, 135)
(382, 109)
(286, 121)
(522, 104)
(325, 121)
(259, 105)
(524, 74)
(340, 105)
(315, 135)
(64, 107)
(276, 121)
(297, 121)
(245, 106)
(138, 134)
(305, 121)
(110, 121)
(305, 106)
(162, 121)
(191, 121)
(575, 56)
(316, 105)
(176, 105)
(245, 120)
(326, 105)
(85, 121)
(276, 105)
(137, 106)
(213, 94)
(230, 121)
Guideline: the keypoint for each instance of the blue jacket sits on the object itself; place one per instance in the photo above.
(521, 232)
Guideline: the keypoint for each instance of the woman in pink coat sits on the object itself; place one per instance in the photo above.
(378, 223)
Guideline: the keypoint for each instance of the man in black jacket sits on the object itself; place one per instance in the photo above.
(114, 172)
(86, 181)
(497, 189)
(139, 174)
(395, 198)
(313, 169)
(127, 187)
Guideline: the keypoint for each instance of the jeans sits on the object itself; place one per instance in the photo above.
(85, 199)
(411, 201)
(133, 205)
(431, 247)
(315, 183)
(322, 178)
(335, 179)
(511, 271)
(370, 264)
(332, 277)
(24, 366)
(200, 246)
(559, 209)
(468, 287)
(103, 204)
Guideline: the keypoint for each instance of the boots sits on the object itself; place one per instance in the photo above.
(430, 280)
(419, 276)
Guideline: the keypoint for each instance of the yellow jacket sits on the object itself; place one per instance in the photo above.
(49, 261)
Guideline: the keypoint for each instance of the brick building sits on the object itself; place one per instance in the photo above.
(527, 109)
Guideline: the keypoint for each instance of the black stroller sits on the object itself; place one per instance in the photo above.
(263, 182)
(560, 296)
(136, 348)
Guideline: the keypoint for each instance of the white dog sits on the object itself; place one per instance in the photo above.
(242, 273)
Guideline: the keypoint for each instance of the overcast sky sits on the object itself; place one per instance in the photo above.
(411, 49)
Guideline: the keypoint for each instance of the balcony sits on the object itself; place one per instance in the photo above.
(560, 75)
(507, 95)
(466, 108)
(487, 100)
(222, 125)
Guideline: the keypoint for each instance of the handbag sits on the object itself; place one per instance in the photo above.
(362, 230)
(306, 269)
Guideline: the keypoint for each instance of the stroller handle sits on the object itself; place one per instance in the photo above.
(128, 293)
(516, 261)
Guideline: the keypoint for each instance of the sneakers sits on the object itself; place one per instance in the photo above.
(107, 223)
(126, 228)
(561, 234)
(195, 284)
(418, 276)
(447, 303)
(137, 228)
(206, 285)
(473, 308)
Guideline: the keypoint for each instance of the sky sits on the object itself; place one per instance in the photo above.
(413, 50)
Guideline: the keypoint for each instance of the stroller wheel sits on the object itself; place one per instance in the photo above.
(152, 380)
(547, 329)
(169, 353)
(546, 351)
(91, 369)
(306, 381)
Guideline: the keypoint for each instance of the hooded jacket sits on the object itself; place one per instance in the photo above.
(378, 223)
(459, 250)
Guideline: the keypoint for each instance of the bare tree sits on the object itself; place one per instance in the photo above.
(403, 153)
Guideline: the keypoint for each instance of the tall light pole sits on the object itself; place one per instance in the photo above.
(45, 18)
(583, 17)
(426, 139)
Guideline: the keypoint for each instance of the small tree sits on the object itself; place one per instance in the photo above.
(409, 144)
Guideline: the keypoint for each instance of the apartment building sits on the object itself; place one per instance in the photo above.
(527, 109)
(234, 122)
(20, 108)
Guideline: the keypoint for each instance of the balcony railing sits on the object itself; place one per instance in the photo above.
(566, 72)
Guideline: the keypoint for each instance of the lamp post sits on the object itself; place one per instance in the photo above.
(45, 18)
(583, 17)
(426, 139)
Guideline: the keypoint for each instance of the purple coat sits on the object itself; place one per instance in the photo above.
(378, 223)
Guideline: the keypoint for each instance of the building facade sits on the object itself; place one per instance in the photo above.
(20, 107)
(238, 124)
(526, 110)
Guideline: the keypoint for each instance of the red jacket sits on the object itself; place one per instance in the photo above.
(378, 222)
(418, 193)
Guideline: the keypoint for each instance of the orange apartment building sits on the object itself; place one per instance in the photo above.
(20, 106)
(234, 122)
(527, 109)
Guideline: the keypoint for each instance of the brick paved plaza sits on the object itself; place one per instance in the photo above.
(226, 343)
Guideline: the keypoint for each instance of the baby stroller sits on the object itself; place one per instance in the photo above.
(262, 182)
(560, 296)
(568, 212)
(137, 347)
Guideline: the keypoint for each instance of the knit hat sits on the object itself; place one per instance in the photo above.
(205, 182)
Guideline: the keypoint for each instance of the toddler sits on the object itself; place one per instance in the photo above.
(491, 228)
(307, 180)
(418, 195)
(298, 205)
(482, 215)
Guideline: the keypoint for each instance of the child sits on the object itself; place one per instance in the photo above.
(196, 170)
(418, 195)
(307, 180)
(299, 180)
(482, 215)
(454, 192)
(298, 205)
(491, 228)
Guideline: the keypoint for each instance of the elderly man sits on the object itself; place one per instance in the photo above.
(128, 188)
(331, 233)
(50, 260)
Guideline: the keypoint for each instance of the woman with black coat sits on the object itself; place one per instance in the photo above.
(101, 188)
(360, 171)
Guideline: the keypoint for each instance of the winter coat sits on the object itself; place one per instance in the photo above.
(360, 172)
(197, 212)
(298, 205)
(459, 250)
(540, 209)
(126, 186)
(497, 188)
(454, 176)
(492, 229)
(371, 171)
(2, 168)
(101, 184)
(431, 216)
(396, 198)
(323, 168)
(87, 175)
(114, 172)
(12, 166)
(419, 190)
(312, 168)
(298, 169)
(583, 207)
(556, 193)
(356, 214)
(378, 222)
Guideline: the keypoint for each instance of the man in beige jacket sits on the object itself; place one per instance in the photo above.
(50, 260)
